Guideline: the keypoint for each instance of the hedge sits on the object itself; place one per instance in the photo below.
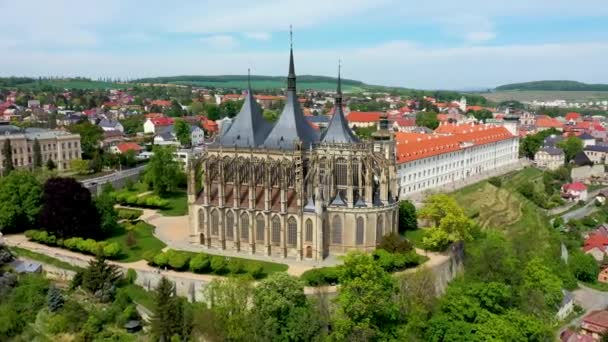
(321, 276)
(129, 214)
(88, 246)
(149, 201)
(392, 262)
(203, 263)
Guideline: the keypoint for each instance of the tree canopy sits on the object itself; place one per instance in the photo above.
(68, 210)
(163, 171)
(20, 201)
(427, 119)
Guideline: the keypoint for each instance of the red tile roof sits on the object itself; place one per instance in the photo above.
(573, 116)
(161, 103)
(576, 186)
(210, 126)
(595, 241)
(268, 97)
(364, 116)
(405, 122)
(162, 121)
(128, 146)
(154, 115)
(548, 122)
(414, 146)
(596, 321)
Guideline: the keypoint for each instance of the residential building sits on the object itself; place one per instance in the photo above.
(284, 190)
(596, 244)
(566, 306)
(156, 124)
(595, 324)
(549, 157)
(574, 192)
(433, 161)
(126, 147)
(587, 139)
(111, 125)
(59, 146)
(602, 277)
(597, 153)
(363, 119)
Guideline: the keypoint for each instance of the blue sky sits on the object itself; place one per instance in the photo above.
(441, 44)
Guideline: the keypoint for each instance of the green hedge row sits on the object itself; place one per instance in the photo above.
(149, 201)
(390, 262)
(129, 214)
(203, 263)
(77, 244)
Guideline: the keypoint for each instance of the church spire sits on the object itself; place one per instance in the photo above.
(249, 80)
(291, 77)
(338, 130)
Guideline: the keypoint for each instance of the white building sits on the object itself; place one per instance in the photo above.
(432, 161)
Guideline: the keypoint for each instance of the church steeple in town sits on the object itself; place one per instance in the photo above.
(338, 130)
(291, 76)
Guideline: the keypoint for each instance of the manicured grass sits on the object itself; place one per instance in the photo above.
(597, 286)
(139, 295)
(415, 237)
(138, 188)
(144, 239)
(178, 204)
(22, 252)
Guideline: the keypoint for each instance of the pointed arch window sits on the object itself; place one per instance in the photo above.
(292, 231)
(276, 231)
(259, 228)
(229, 226)
(244, 227)
(379, 229)
(309, 230)
(360, 231)
(215, 223)
(336, 230)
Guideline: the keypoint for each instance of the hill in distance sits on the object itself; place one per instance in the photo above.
(558, 85)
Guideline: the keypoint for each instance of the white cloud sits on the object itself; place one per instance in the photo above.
(221, 42)
(263, 36)
(391, 63)
(480, 36)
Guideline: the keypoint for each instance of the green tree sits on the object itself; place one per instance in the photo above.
(481, 115)
(50, 165)
(182, 132)
(167, 320)
(427, 119)
(541, 289)
(271, 115)
(407, 217)
(20, 201)
(37, 157)
(583, 266)
(438, 206)
(163, 171)
(7, 154)
(366, 307)
(133, 123)
(212, 111)
(54, 299)
(80, 166)
(90, 136)
(571, 146)
(105, 207)
(282, 311)
(492, 259)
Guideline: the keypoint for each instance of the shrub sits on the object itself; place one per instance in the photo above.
(177, 260)
(161, 259)
(131, 276)
(149, 256)
(396, 261)
(131, 199)
(394, 243)
(30, 234)
(112, 250)
(218, 264)
(321, 276)
(129, 214)
(497, 182)
(256, 270)
(200, 263)
(236, 266)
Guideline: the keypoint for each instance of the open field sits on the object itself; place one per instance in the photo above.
(531, 95)
(505, 209)
(77, 84)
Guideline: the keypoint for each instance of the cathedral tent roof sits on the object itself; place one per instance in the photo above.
(338, 130)
(291, 127)
(249, 128)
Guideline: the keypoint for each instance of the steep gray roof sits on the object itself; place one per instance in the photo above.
(586, 136)
(292, 127)
(596, 148)
(554, 151)
(338, 130)
(249, 128)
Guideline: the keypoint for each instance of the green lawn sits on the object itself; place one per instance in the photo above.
(18, 251)
(138, 188)
(415, 237)
(144, 238)
(139, 295)
(178, 204)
